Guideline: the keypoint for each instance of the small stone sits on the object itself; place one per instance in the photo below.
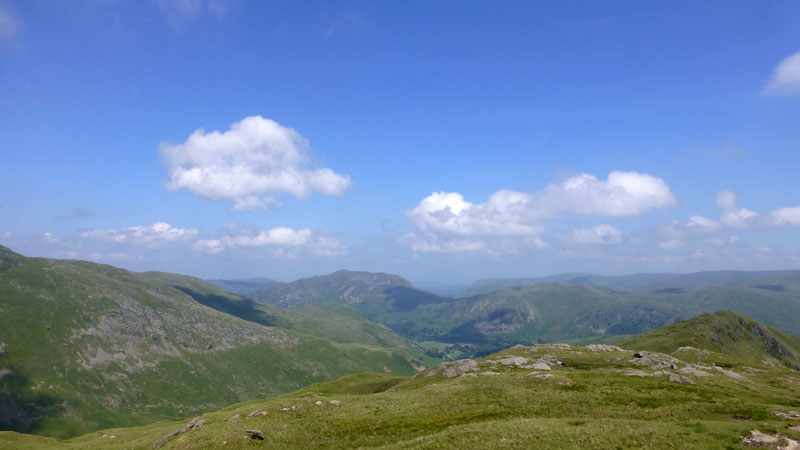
(255, 434)
(233, 417)
(258, 412)
(319, 402)
(335, 402)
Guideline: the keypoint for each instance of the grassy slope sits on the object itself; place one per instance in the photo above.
(91, 346)
(724, 332)
(588, 403)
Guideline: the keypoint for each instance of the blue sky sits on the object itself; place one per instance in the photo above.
(443, 141)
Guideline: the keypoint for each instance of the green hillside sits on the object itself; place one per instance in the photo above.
(85, 346)
(343, 288)
(544, 396)
(724, 332)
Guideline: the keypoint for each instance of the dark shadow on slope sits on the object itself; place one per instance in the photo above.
(244, 309)
(670, 291)
(771, 287)
(21, 409)
(404, 298)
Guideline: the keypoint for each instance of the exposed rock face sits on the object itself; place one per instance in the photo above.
(655, 361)
(258, 412)
(196, 423)
(730, 374)
(514, 361)
(779, 441)
(232, 418)
(695, 370)
(603, 348)
(453, 369)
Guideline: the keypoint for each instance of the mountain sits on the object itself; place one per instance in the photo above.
(343, 288)
(543, 396)
(86, 346)
(724, 332)
(242, 287)
(642, 282)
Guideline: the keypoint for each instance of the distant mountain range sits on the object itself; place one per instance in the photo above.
(572, 307)
(641, 282)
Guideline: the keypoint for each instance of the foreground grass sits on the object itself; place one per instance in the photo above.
(589, 402)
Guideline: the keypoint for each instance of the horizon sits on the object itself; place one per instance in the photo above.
(232, 140)
(444, 284)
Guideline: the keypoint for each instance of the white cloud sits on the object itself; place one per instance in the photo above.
(700, 224)
(734, 216)
(727, 200)
(210, 246)
(156, 234)
(785, 216)
(739, 218)
(601, 234)
(672, 244)
(9, 23)
(785, 78)
(276, 238)
(248, 164)
(448, 222)
(280, 236)
(8, 235)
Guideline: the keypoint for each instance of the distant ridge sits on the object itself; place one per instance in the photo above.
(646, 282)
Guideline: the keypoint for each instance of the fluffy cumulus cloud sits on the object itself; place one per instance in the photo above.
(249, 164)
(278, 237)
(700, 224)
(447, 222)
(785, 216)
(786, 77)
(601, 234)
(154, 235)
(733, 215)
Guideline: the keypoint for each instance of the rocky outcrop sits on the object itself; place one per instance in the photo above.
(196, 423)
(453, 369)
